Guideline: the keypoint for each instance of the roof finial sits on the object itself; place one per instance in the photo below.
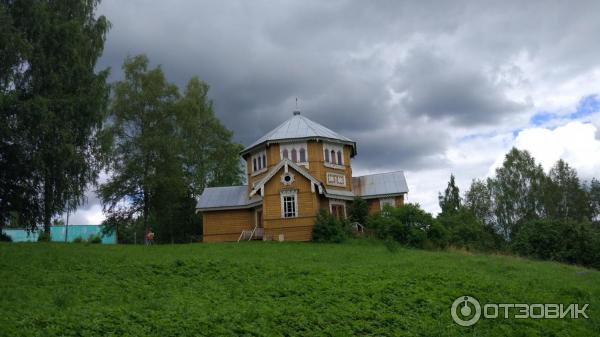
(296, 112)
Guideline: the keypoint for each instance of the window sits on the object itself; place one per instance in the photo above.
(387, 202)
(259, 162)
(337, 208)
(296, 152)
(333, 155)
(289, 206)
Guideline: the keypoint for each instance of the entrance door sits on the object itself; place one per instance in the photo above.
(337, 211)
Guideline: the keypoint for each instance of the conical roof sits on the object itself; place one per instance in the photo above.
(300, 128)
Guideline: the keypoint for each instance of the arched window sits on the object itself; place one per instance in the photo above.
(264, 161)
(285, 153)
(339, 158)
(302, 155)
(254, 164)
(332, 157)
(326, 156)
(294, 156)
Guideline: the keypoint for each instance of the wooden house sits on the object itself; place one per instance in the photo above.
(292, 172)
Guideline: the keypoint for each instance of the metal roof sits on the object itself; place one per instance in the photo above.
(380, 184)
(226, 197)
(299, 127)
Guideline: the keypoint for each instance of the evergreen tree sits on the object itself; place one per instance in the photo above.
(450, 201)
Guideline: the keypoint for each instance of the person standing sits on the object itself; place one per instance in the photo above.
(149, 238)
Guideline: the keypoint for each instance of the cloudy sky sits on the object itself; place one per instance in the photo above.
(431, 88)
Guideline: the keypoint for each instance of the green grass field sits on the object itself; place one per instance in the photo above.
(276, 289)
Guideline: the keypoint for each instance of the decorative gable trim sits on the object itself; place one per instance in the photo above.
(286, 163)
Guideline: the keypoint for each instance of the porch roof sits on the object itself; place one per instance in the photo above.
(228, 197)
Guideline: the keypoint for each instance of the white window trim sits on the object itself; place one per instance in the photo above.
(384, 201)
(297, 146)
(337, 202)
(287, 193)
(258, 157)
(335, 147)
(337, 175)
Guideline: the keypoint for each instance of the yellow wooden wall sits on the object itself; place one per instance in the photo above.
(295, 229)
(226, 225)
(315, 163)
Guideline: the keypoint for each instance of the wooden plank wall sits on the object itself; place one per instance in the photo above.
(226, 225)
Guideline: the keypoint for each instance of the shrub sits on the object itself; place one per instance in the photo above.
(95, 239)
(43, 236)
(465, 230)
(78, 239)
(409, 225)
(328, 228)
(564, 241)
(358, 210)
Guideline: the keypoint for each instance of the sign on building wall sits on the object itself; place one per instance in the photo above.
(336, 179)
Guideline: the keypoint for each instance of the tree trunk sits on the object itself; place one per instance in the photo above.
(47, 203)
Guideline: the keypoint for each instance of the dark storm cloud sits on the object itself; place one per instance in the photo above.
(387, 74)
(440, 87)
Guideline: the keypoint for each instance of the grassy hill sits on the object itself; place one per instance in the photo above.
(270, 289)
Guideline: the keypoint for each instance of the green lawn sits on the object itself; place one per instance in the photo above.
(276, 289)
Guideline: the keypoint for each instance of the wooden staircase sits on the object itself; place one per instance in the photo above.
(256, 234)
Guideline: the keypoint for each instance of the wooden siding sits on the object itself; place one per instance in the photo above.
(226, 225)
(374, 205)
(316, 165)
(295, 229)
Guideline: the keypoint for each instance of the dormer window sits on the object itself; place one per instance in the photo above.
(295, 152)
(259, 162)
(333, 155)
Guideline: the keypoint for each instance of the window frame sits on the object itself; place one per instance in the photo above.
(285, 201)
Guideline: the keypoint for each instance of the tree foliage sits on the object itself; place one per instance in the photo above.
(517, 191)
(450, 201)
(328, 228)
(52, 104)
(358, 210)
(162, 149)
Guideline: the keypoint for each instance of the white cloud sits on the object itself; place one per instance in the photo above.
(575, 142)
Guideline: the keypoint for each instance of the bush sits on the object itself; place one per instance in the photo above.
(95, 239)
(328, 228)
(464, 230)
(78, 239)
(43, 236)
(409, 225)
(358, 210)
(563, 241)
(5, 238)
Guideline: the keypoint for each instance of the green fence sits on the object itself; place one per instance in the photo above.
(58, 233)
